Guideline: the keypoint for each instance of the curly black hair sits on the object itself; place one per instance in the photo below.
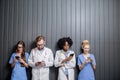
(61, 42)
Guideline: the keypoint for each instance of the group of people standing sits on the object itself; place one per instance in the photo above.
(41, 58)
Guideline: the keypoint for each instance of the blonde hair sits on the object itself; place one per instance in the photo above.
(85, 42)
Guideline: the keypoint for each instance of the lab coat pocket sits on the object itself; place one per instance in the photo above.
(35, 58)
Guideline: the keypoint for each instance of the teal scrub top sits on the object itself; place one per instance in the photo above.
(18, 72)
(87, 73)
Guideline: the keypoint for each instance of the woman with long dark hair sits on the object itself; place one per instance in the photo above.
(18, 62)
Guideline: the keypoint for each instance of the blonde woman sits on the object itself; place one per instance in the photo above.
(86, 63)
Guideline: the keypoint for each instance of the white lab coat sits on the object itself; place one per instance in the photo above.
(69, 65)
(40, 73)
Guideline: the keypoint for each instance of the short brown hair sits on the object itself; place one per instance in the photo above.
(39, 38)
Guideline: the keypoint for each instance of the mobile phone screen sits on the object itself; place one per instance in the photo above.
(17, 57)
(71, 54)
(39, 62)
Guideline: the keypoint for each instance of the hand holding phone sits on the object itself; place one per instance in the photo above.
(41, 64)
(90, 59)
(71, 54)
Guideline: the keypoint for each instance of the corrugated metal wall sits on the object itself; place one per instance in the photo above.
(95, 20)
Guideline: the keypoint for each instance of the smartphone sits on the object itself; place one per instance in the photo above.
(71, 54)
(38, 62)
(17, 57)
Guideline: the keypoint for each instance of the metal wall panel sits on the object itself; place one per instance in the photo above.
(95, 20)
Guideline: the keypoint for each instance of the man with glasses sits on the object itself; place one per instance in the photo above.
(40, 59)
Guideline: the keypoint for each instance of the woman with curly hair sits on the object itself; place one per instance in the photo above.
(65, 59)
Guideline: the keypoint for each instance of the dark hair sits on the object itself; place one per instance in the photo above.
(61, 42)
(23, 53)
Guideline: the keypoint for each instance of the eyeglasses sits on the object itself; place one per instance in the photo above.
(19, 47)
(40, 44)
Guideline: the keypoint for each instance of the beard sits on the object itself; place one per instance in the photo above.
(41, 48)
